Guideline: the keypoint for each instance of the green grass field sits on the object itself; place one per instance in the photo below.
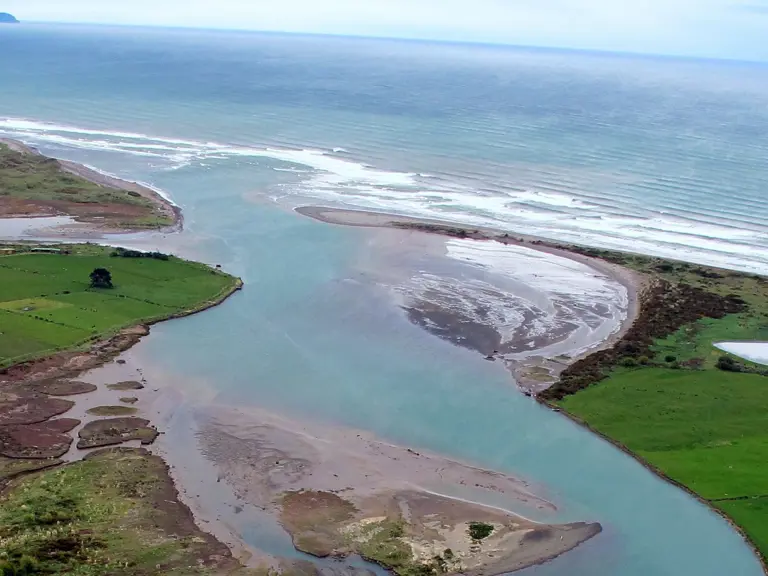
(705, 428)
(47, 304)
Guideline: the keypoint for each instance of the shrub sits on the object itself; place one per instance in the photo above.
(480, 530)
(126, 253)
(101, 278)
(728, 364)
(629, 362)
(670, 358)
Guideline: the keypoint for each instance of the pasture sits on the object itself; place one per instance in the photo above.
(47, 303)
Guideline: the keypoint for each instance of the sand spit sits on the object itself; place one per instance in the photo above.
(340, 492)
(89, 226)
(578, 327)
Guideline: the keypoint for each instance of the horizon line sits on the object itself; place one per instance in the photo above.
(414, 39)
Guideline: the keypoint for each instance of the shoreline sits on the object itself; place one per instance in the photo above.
(634, 283)
(165, 206)
(72, 401)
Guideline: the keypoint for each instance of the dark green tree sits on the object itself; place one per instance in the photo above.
(101, 278)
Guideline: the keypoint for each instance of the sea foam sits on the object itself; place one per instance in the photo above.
(560, 206)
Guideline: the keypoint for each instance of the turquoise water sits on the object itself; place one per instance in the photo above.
(215, 119)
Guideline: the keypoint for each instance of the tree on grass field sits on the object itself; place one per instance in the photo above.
(101, 278)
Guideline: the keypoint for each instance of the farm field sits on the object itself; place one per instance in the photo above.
(694, 413)
(47, 303)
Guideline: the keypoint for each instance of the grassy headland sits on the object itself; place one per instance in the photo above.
(34, 185)
(47, 303)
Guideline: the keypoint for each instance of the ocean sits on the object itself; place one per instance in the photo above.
(660, 156)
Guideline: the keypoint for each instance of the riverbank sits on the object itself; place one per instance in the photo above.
(41, 187)
(36, 391)
(660, 390)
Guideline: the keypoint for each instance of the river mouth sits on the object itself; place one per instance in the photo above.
(321, 338)
(243, 460)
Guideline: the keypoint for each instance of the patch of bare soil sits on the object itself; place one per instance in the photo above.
(64, 387)
(37, 441)
(116, 431)
(312, 518)
(127, 385)
(111, 411)
(20, 405)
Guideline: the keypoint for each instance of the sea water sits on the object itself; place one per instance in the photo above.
(662, 156)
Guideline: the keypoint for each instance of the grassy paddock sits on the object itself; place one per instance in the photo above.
(47, 304)
(704, 428)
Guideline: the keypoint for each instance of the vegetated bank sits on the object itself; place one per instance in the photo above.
(667, 395)
(115, 512)
(33, 185)
(48, 303)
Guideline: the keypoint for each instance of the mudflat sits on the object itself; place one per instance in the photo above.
(340, 492)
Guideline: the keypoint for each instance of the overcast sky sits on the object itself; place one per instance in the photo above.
(715, 28)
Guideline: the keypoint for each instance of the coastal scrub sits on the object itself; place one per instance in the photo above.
(33, 184)
(113, 513)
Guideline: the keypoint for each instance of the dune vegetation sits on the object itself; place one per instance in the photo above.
(32, 184)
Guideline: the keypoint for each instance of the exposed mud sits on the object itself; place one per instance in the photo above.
(37, 441)
(126, 385)
(111, 411)
(64, 387)
(22, 405)
(115, 431)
